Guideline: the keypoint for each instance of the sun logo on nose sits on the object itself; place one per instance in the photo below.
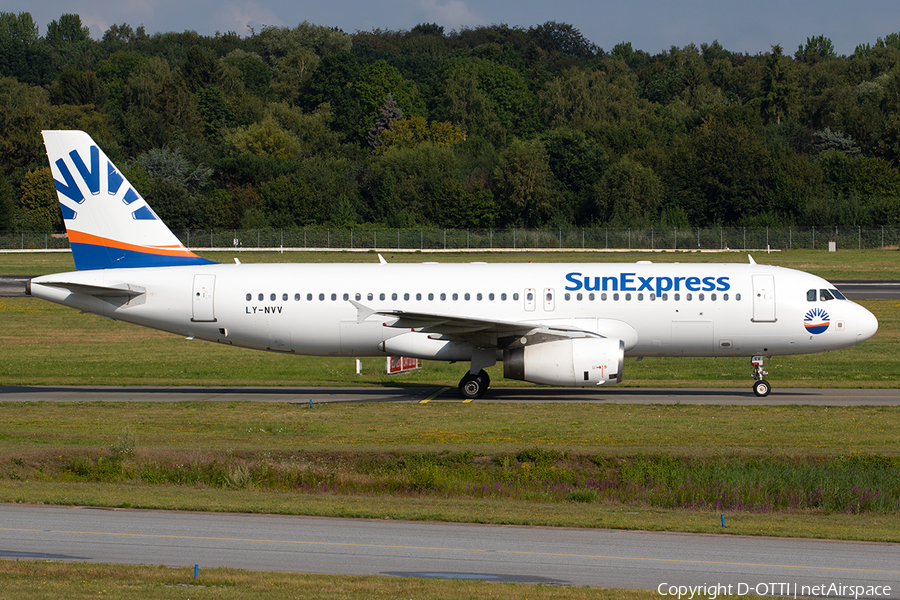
(816, 321)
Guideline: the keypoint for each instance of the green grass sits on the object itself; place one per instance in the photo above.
(607, 429)
(51, 580)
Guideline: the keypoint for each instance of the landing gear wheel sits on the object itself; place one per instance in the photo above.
(761, 388)
(474, 386)
(471, 386)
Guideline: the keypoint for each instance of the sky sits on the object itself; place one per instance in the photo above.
(750, 26)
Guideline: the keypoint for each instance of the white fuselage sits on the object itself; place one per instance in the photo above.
(655, 309)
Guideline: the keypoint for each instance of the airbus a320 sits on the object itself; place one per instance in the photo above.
(556, 324)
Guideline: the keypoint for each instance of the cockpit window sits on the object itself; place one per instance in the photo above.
(838, 295)
(825, 295)
(811, 295)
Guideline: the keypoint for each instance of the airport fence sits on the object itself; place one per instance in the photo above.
(594, 238)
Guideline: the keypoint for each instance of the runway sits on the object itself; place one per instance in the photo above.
(427, 394)
(558, 556)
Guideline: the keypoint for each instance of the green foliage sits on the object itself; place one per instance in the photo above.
(628, 194)
(535, 116)
(38, 204)
(7, 204)
(265, 139)
(817, 48)
(524, 184)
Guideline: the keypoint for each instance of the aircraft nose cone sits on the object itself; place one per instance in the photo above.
(866, 325)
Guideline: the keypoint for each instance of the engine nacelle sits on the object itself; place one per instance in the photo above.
(572, 362)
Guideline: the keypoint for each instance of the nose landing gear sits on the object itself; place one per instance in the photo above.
(761, 387)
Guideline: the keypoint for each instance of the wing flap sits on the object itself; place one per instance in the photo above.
(469, 328)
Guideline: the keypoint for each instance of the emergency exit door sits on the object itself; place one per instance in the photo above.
(204, 307)
(764, 299)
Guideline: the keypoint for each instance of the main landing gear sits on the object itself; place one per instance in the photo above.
(474, 386)
(761, 387)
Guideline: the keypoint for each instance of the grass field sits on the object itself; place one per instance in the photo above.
(39, 581)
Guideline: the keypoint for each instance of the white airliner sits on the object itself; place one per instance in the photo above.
(557, 324)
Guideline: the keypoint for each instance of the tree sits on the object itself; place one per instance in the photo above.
(68, 30)
(293, 73)
(38, 204)
(524, 187)
(387, 114)
(487, 98)
(7, 204)
(159, 105)
(580, 99)
(629, 194)
(23, 54)
(777, 93)
(277, 42)
(817, 48)
(265, 139)
(21, 120)
(564, 38)
(409, 133)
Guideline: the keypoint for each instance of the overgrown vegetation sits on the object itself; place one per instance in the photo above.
(491, 126)
(851, 484)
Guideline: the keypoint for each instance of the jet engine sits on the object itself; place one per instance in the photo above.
(568, 362)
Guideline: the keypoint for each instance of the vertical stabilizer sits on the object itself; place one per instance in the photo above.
(110, 225)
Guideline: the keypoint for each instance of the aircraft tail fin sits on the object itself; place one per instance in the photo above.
(110, 225)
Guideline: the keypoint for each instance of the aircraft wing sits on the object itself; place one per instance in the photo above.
(466, 327)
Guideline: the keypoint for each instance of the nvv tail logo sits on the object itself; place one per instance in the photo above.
(816, 321)
(91, 178)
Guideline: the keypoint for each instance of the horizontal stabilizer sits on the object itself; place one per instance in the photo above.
(100, 291)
